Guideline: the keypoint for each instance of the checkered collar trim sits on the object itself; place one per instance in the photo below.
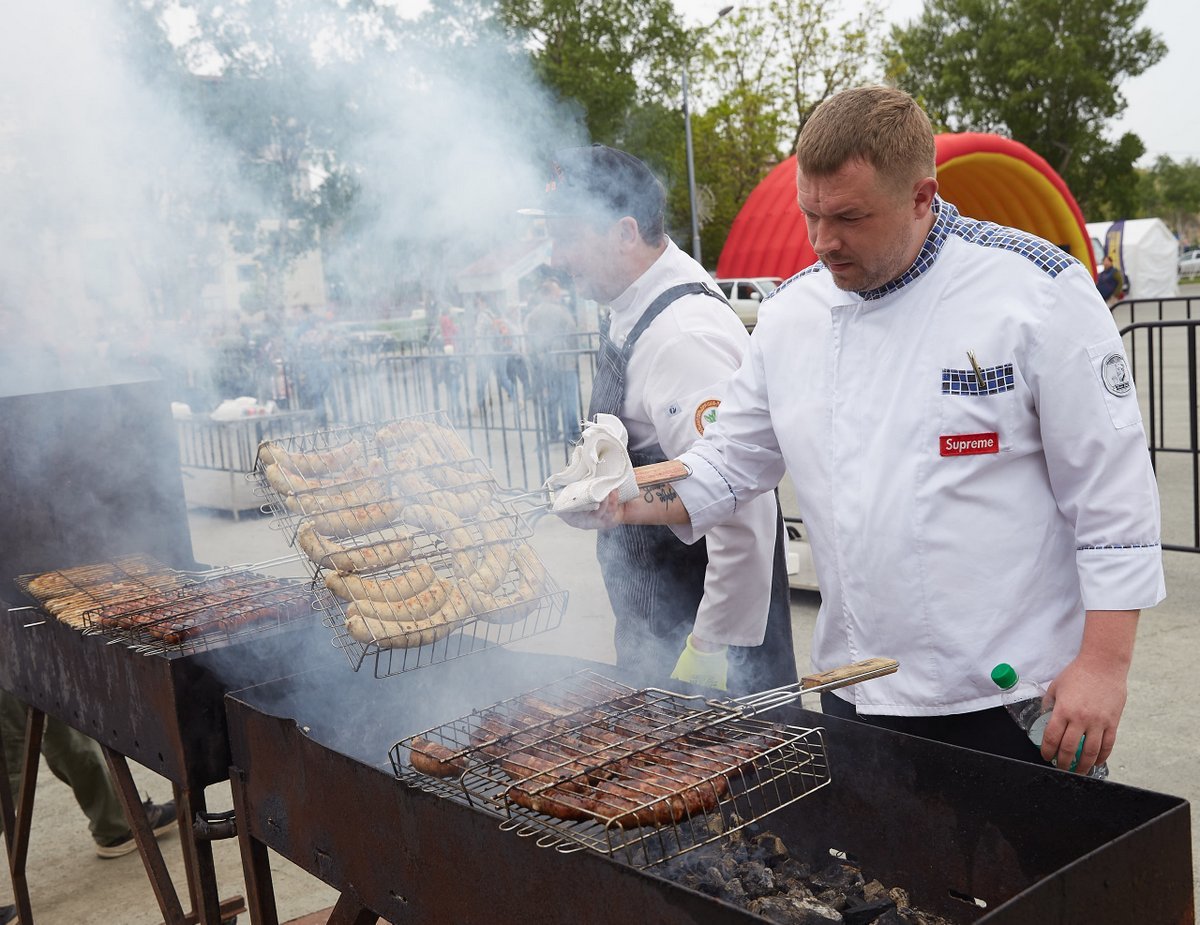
(945, 220)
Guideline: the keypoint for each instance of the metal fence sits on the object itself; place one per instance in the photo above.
(519, 410)
(1160, 337)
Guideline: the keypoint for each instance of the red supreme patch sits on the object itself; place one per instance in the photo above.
(969, 444)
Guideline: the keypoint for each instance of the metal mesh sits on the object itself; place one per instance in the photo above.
(643, 775)
(205, 613)
(424, 554)
(70, 592)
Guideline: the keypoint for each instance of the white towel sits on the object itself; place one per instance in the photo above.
(599, 464)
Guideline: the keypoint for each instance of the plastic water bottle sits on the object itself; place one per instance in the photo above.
(1023, 700)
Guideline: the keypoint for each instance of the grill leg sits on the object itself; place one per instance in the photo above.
(198, 858)
(17, 820)
(349, 911)
(256, 866)
(156, 868)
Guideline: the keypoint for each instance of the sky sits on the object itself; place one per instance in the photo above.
(1158, 112)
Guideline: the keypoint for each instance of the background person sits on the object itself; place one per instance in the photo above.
(954, 404)
(550, 337)
(719, 611)
(1110, 282)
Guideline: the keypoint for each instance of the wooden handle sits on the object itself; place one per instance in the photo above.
(672, 470)
(850, 674)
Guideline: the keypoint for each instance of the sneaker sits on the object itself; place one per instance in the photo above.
(161, 817)
(7, 914)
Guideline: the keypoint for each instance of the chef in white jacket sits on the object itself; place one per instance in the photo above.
(953, 402)
(716, 613)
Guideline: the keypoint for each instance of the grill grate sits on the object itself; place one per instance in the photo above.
(70, 592)
(425, 556)
(639, 775)
(206, 613)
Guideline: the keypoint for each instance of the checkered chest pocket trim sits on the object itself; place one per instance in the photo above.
(996, 379)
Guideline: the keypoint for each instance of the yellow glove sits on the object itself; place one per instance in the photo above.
(706, 669)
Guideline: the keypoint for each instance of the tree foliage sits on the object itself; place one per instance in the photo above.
(1171, 190)
(1045, 72)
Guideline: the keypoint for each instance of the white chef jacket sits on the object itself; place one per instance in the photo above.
(953, 525)
(675, 381)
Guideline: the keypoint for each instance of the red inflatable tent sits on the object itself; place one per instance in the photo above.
(988, 177)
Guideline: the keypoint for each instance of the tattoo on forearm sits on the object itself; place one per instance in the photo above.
(665, 494)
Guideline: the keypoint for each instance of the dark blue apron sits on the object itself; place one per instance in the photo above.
(655, 581)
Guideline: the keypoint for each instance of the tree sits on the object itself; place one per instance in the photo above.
(1171, 191)
(1045, 72)
(765, 68)
(606, 56)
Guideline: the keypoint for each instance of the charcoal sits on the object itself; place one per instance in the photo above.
(770, 849)
(728, 868)
(892, 917)
(835, 899)
(735, 892)
(758, 879)
(740, 854)
(866, 913)
(841, 878)
(786, 910)
(899, 896)
(875, 890)
(712, 881)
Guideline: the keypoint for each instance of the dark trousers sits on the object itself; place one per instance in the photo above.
(992, 731)
(655, 583)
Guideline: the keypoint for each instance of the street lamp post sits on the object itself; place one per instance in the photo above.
(687, 134)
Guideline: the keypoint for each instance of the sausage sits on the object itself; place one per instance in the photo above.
(420, 606)
(434, 759)
(397, 590)
(360, 519)
(372, 557)
(395, 635)
(312, 463)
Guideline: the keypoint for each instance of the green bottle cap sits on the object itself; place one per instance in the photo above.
(1004, 675)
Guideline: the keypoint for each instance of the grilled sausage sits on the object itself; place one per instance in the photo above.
(311, 463)
(435, 759)
(359, 519)
(420, 606)
(397, 590)
(347, 560)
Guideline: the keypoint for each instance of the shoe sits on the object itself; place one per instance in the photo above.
(161, 817)
(7, 914)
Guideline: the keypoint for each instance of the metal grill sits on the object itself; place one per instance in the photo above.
(644, 775)
(156, 610)
(68, 593)
(423, 553)
(203, 614)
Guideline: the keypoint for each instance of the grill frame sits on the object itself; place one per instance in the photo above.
(504, 526)
(789, 764)
(1037, 844)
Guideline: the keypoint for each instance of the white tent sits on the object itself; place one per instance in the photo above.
(1146, 252)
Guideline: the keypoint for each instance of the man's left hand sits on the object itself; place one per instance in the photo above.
(1089, 694)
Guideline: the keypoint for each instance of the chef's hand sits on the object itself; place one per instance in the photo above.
(703, 664)
(605, 517)
(1089, 694)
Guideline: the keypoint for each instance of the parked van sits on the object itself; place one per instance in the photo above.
(746, 294)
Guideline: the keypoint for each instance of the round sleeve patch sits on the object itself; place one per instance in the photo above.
(1115, 373)
(706, 413)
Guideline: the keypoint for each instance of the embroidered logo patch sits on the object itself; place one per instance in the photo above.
(706, 414)
(968, 444)
(1115, 373)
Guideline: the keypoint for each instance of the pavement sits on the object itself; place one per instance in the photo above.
(69, 885)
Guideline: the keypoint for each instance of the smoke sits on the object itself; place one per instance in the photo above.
(143, 142)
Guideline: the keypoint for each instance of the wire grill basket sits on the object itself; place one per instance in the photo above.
(640, 775)
(423, 555)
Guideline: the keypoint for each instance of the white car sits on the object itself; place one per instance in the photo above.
(746, 293)
(1189, 265)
